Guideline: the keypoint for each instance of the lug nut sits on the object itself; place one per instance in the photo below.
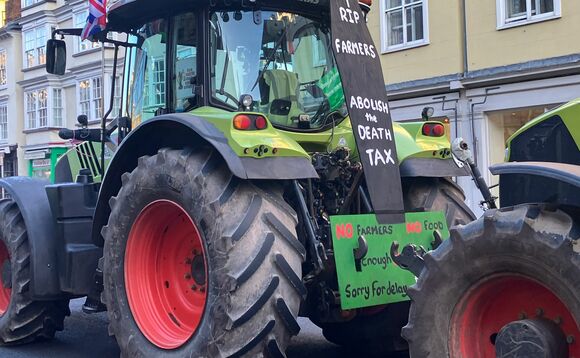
(202, 289)
(522, 315)
(539, 312)
(570, 339)
(194, 288)
(187, 276)
(558, 320)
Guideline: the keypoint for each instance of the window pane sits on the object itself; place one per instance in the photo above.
(3, 122)
(3, 79)
(395, 27)
(57, 107)
(85, 97)
(31, 110)
(150, 64)
(43, 108)
(185, 65)
(544, 6)
(414, 23)
(393, 3)
(97, 98)
(516, 8)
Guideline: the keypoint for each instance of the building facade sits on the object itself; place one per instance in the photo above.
(53, 102)
(489, 66)
(10, 94)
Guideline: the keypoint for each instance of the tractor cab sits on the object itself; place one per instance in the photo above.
(273, 60)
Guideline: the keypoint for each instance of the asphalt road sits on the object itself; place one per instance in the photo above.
(85, 336)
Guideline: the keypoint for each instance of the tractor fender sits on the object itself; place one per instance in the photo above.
(178, 131)
(30, 196)
(431, 167)
(538, 182)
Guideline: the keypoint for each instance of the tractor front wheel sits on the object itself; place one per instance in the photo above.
(507, 282)
(198, 263)
(22, 320)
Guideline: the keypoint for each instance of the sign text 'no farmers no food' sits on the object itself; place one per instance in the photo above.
(366, 97)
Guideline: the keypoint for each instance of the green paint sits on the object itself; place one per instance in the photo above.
(408, 136)
(380, 280)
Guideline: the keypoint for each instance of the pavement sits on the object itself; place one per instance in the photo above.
(85, 336)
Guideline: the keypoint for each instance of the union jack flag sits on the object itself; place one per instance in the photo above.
(97, 19)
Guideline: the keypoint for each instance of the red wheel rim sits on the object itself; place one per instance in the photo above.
(165, 274)
(5, 292)
(497, 301)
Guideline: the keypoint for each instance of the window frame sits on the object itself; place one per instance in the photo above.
(47, 112)
(94, 103)
(24, 4)
(36, 49)
(385, 48)
(504, 23)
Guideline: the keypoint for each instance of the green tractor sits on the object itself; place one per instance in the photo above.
(518, 290)
(235, 190)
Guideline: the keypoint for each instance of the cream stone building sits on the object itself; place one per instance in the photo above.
(489, 66)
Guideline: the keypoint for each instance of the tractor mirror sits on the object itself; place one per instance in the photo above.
(55, 57)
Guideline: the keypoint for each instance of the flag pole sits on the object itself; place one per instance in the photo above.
(102, 79)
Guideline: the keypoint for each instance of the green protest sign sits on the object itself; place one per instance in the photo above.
(378, 280)
(332, 88)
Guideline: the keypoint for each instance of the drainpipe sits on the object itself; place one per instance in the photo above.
(464, 29)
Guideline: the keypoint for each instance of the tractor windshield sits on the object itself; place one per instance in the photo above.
(283, 60)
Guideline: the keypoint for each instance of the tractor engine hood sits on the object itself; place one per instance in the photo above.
(123, 15)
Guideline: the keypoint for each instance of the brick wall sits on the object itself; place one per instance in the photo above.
(12, 10)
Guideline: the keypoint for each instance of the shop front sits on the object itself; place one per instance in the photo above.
(41, 163)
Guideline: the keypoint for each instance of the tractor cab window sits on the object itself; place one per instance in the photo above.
(148, 81)
(283, 60)
(185, 71)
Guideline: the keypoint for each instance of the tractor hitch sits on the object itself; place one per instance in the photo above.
(410, 259)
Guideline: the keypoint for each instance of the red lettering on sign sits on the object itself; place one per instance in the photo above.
(414, 228)
(344, 231)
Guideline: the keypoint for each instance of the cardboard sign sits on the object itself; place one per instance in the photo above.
(380, 281)
(364, 87)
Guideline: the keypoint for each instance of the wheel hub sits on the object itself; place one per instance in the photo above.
(532, 338)
(165, 285)
(198, 269)
(492, 312)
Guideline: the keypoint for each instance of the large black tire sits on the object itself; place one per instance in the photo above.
(252, 255)
(380, 333)
(24, 320)
(527, 242)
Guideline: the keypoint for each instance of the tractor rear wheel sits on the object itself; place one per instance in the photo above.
(508, 282)
(198, 263)
(22, 320)
(378, 330)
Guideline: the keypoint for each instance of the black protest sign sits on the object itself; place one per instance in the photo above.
(364, 87)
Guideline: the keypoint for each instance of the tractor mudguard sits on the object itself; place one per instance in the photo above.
(431, 167)
(538, 182)
(30, 196)
(178, 131)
